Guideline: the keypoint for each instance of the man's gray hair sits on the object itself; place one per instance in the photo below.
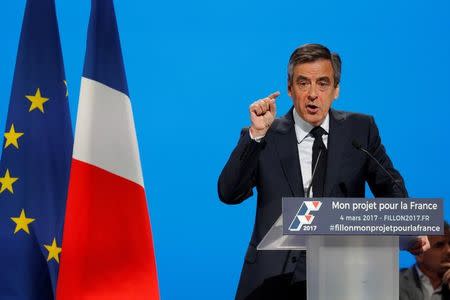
(311, 53)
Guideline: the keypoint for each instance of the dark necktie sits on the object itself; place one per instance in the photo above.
(321, 168)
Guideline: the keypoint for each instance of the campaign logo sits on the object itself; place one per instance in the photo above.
(304, 216)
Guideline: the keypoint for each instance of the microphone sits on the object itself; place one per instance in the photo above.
(358, 146)
(405, 242)
(308, 190)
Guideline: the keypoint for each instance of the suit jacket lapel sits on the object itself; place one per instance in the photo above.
(335, 150)
(287, 150)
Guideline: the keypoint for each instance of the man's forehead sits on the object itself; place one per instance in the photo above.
(439, 238)
(318, 68)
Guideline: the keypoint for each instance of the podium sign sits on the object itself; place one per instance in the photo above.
(360, 216)
(352, 244)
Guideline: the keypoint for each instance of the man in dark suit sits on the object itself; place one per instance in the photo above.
(429, 278)
(277, 157)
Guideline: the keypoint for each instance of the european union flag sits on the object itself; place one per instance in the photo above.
(36, 156)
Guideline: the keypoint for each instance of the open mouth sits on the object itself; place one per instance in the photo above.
(312, 108)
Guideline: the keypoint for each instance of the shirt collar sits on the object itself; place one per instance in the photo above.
(302, 128)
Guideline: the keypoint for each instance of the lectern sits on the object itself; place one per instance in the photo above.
(345, 266)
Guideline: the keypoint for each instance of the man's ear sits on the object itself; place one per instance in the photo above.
(419, 258)
(289, 89)
(336, 92)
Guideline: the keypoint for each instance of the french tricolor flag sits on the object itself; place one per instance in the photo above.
(107, 250)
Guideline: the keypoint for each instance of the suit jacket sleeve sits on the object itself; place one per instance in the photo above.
(379, 182)
(238, 177)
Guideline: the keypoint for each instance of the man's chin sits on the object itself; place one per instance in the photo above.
(314, 119)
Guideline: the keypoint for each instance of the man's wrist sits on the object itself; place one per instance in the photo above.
(257, 135)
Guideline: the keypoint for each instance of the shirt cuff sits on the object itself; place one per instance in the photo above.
(256, 138)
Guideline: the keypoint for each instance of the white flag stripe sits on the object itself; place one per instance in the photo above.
(105, 135)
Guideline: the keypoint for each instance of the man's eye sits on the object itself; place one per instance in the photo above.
(302, 83)
(323, 83)
(439, 245)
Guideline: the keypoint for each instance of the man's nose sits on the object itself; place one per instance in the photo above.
(312, 92)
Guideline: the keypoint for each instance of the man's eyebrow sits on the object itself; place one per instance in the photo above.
(324, 78)
(301, 77)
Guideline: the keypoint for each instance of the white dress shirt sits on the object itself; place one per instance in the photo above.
(305, 143)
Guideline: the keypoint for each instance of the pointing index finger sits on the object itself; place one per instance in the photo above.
(274, 95)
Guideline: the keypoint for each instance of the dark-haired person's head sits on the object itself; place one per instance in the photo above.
(437, 258)
(314, 74)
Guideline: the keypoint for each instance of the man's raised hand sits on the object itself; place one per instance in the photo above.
(421, 245)
(262, 114)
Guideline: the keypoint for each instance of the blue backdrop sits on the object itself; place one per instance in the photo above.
(194, 67)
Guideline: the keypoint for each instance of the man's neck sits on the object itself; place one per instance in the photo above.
(302, 123)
